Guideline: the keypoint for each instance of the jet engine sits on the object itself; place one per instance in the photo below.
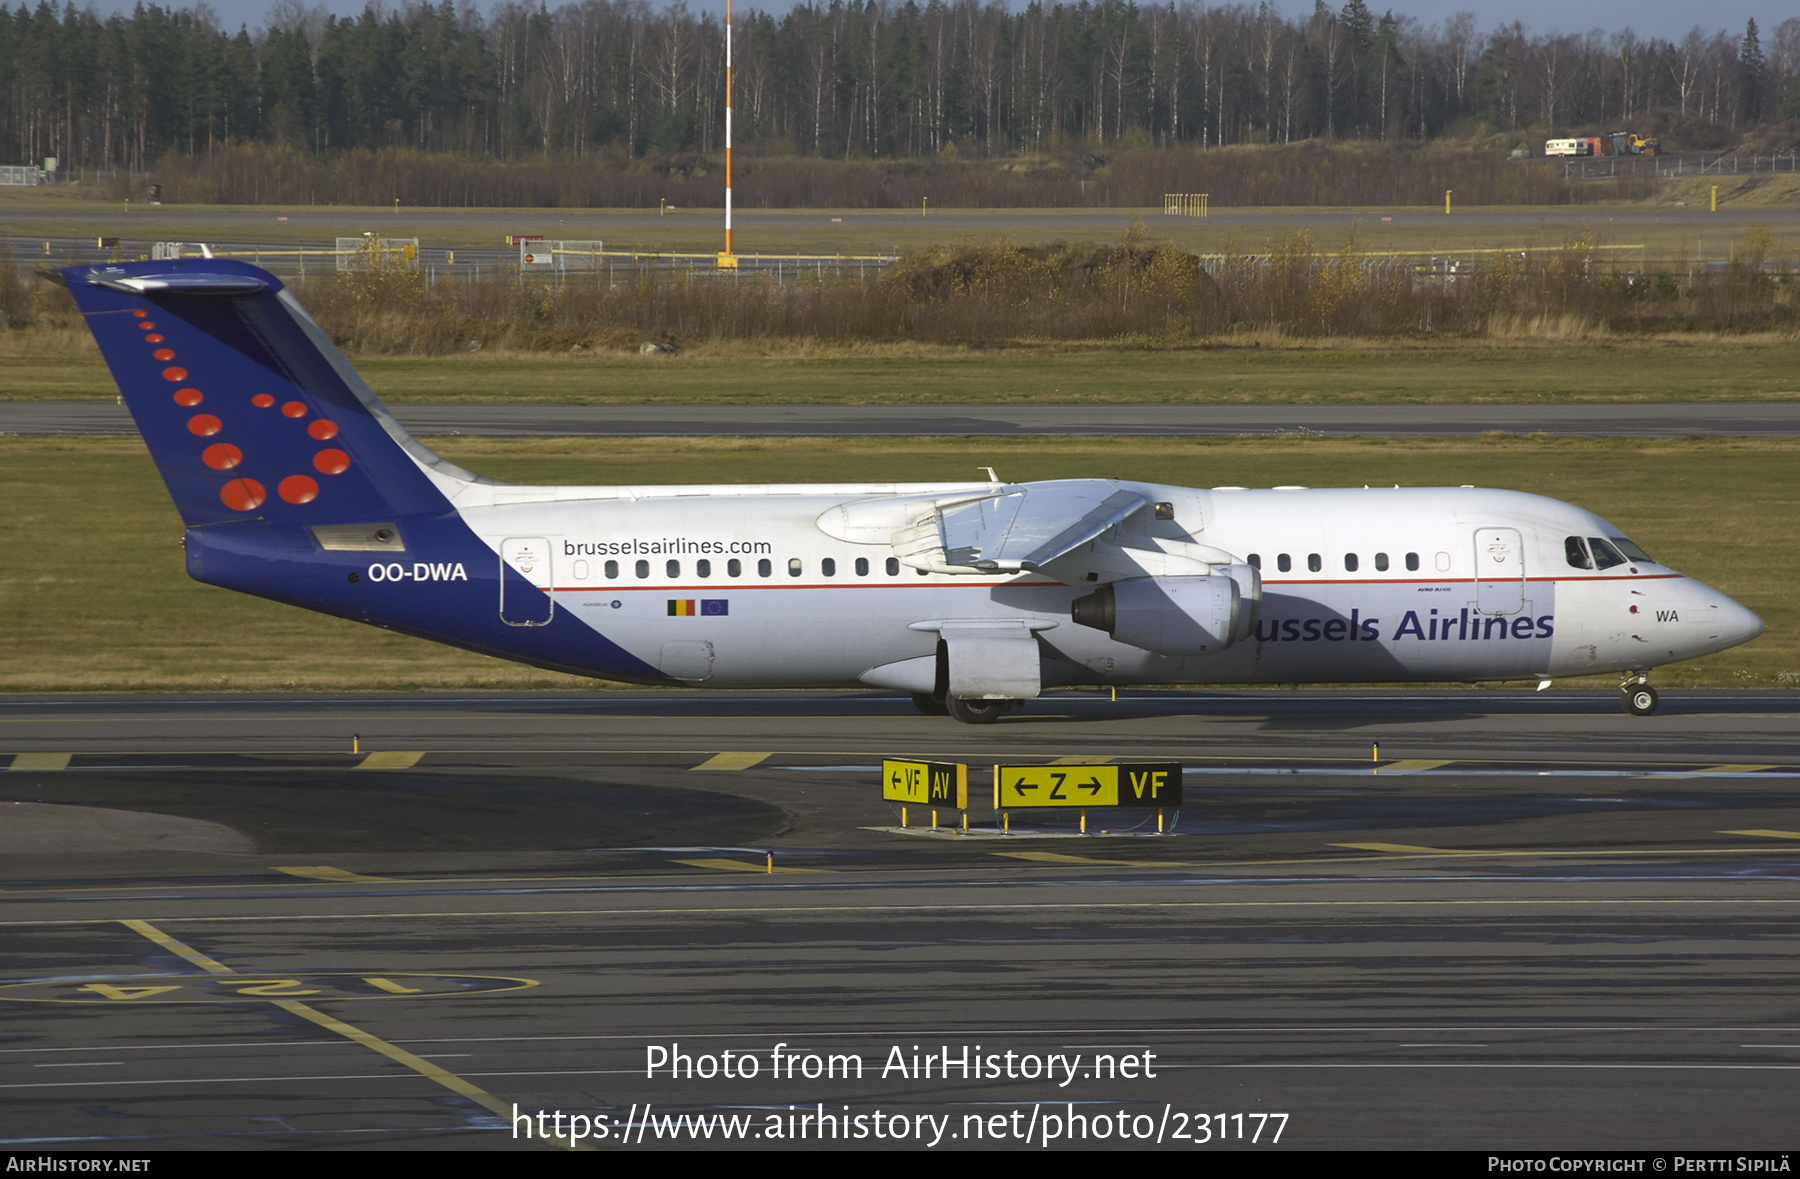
(1176, 615)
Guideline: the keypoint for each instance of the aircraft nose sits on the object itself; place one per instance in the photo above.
(1734, 623)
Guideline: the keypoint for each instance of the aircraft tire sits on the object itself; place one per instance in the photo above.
(930, 705)
(976, 712)
(1639, 700)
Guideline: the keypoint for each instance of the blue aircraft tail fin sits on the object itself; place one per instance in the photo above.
(248, 409)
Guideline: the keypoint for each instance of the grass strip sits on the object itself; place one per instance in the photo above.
(1253, 372)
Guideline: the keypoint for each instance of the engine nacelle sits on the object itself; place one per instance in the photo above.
(1249, 583)
(1175, 615)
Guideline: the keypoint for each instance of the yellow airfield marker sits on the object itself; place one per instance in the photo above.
(767, 868)
(330, 875)
(391, 760)
(41, 761)
(732, 761)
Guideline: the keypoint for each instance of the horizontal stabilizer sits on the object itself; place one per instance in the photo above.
(177, 284)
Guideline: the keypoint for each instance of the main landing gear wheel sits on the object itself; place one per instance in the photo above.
(976, 712)
(1639, 700)
(930, 705)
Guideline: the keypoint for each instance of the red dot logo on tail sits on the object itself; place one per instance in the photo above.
(205, 425)
(299, 489)
(243, 495)
(189, 397)
(331, 462)
(221, 456)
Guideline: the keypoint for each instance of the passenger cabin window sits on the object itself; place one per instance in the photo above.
(1443, 562)
(734, 567)
(703, 568)
(1605, 556)
(1576, 554)
(643, 568)
(674, 568)
(612, 570)
(1381, 562)
(764, 567)
(828, 567)
(1350, 562)
(1284, 562)
(1255, 560)
(1412, 562)
(893, 566)
(1314, 563)
(794, 566)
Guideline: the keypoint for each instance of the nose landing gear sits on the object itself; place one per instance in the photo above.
(1637, 697)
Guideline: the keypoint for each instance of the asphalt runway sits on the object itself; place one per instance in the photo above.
(1468, 919)
(1654, 420)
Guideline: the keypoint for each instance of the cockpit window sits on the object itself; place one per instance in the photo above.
(1575, 550)
(1605, 556)
(1630, 550)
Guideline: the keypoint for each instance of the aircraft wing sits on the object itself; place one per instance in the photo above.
(1021, 528)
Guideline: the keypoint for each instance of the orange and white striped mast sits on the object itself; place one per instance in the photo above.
(728, 259)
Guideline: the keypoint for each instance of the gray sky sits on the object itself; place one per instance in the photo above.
(1648, 18)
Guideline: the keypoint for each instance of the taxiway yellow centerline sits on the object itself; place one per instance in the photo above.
(331, 1023)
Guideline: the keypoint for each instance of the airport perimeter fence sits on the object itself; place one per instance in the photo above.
(1667, 167)
(563, 261)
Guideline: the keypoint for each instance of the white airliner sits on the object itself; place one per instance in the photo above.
(296, 484)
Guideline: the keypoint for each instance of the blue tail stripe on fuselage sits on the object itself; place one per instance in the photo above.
(235, 345)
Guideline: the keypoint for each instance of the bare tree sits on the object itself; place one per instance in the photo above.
(1328, 39)
(1459, 38)
(1686, 63)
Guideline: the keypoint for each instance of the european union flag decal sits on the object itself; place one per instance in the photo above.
(715, 607)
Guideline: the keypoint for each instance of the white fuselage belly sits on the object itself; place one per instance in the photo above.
(795, 625)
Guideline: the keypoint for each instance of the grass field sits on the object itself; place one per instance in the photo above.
(95, 595)
(1763, 368)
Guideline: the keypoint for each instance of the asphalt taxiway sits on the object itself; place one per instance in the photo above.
(1400, 918)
